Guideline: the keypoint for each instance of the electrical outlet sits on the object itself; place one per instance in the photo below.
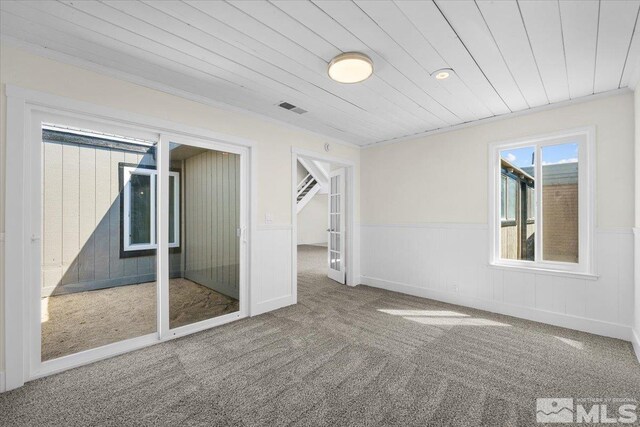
(268, 218)
(455, 288)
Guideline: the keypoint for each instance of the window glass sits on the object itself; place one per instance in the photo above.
(140, 215)
(172, 209)
(204, 278)
(531, 203)
(512, 196)
(517, 230)
(560, 202)
(503, 197)
(92, 294)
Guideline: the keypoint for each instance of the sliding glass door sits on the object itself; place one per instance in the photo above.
(98, 218)
(204, 224)
(140, 237)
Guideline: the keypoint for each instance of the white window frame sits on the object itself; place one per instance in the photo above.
(586, 202)
(126, 221)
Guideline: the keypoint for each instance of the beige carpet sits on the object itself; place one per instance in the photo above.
(341, 357)
(86, 320)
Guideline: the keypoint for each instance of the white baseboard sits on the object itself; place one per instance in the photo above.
(593, 326)
(635, 340)
(272, 304)
(3, 387)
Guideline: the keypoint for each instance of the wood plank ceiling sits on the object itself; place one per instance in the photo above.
(507, 55)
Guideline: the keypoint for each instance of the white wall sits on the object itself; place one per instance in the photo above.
(272, 151)
(313, 222)
(424, 221)
(636, 230)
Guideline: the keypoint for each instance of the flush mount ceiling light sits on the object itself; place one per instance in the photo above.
(442, 74)
(350, 67)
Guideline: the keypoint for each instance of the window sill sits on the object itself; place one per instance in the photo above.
(548, 272)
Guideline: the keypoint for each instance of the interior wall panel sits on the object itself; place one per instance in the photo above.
(449, 262)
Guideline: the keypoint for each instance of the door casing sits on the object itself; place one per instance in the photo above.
(352, 252)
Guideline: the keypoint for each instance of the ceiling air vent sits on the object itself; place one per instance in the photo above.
(292, 107)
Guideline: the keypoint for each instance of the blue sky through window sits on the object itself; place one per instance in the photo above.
(552, 154)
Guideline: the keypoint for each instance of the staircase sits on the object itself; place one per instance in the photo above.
(307, 188)
(316, 181)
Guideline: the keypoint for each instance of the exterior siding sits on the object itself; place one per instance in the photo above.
(81, 220)
(211, 189)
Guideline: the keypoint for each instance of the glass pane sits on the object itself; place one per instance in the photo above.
(205, 270)
(140, 215)
(560, 202)
(512, 196)
(172, 210)
(503, 199)
(93, 292)
(334, 260)
(517, 208)
(334, 185)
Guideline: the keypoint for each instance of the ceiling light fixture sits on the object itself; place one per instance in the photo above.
(442, 74)
(350, 67)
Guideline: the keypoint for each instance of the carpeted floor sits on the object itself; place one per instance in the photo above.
(75, 322)
(341, 356)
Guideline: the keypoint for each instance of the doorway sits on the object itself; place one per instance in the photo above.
(136, 236)
(323, 205)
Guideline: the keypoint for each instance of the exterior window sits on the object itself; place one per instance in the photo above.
(543, 202)
(139, 209)
(511, 199)
(531, 204)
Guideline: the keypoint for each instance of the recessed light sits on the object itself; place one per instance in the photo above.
(442, 74)
(350, 67)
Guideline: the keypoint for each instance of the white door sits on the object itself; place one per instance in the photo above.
(336, 238)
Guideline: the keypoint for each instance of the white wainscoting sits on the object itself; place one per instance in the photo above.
(272, 285)
(449, 262)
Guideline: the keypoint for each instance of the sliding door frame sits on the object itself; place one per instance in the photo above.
(22, 357)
